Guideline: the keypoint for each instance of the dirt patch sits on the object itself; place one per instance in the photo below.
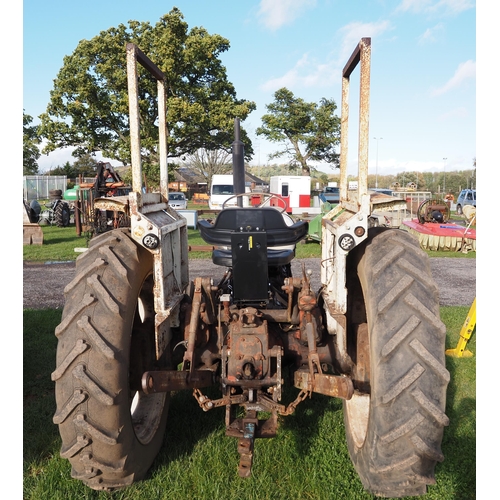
(43, 283)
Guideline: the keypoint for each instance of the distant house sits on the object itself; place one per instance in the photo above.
(255, 183)
(189, 181)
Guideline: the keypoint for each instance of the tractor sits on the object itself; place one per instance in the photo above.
(136, 328)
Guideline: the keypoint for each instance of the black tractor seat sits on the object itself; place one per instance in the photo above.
(264, 223)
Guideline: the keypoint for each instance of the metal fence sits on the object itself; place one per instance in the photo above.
(37, 187)
(413, 200)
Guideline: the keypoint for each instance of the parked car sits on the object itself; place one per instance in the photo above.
(466, 197)
(177, 201)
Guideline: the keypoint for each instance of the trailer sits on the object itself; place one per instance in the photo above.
(294, 189)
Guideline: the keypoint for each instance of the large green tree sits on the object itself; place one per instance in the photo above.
(31, 140)
(307, 131)
(88, 106)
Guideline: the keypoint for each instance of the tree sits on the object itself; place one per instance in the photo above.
(85, 166)
(88, 106)
(405, 178)
(299, 124)
(209, 163)
(67, 169)
(31, 140)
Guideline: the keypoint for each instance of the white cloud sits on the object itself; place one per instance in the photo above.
(460, 112)
(276, 13)
(433, 6)
(465, 71)
(308, 72)
(430, 34)
(59, 157)
(305, 73)
(353, 32)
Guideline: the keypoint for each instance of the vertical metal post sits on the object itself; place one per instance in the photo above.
(238, 162)
(134, 123)
(444, 175)
(364, 116)
(362, 54)
(344, 131)
(163, 135)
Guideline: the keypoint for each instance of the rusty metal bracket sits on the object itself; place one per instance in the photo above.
(329, 385)
(246, 444)
(173, 380)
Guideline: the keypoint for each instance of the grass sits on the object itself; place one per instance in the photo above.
(59, 244)
(307, 460)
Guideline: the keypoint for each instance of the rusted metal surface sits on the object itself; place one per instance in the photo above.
(346, 226)
(153, 224)
(362, 362)
(118, 203)
(329, 385)
(165, 381)
(134, 56)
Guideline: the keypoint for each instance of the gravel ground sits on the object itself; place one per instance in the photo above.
(43, 283)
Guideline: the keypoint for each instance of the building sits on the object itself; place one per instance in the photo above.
(189, 181)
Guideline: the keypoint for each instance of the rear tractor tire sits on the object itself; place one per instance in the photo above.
(111, 430)
(395, 420)
(62, 214)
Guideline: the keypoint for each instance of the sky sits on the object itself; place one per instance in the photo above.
(423, 67)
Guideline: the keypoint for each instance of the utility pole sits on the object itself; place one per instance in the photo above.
(376, 163)
(444, 175)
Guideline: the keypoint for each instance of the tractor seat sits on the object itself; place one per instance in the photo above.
(281, 237)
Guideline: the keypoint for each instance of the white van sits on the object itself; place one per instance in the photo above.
(222, 189)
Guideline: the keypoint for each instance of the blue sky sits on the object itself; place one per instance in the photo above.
(423, 74)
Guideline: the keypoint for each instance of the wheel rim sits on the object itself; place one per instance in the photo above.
(358, 415)
(145, 409)
(358, 407)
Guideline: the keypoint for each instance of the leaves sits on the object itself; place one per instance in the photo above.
(31, 153)
(88, 106)
(306, 131)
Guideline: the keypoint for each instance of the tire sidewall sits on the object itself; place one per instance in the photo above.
(128, 459)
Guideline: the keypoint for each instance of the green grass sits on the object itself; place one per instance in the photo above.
(59, 244)
(307, 460)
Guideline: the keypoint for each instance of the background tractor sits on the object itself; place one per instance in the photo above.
(136, 327)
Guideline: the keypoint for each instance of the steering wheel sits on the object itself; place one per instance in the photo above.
(267, 196)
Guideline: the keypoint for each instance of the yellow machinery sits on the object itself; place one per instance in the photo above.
(465, 334)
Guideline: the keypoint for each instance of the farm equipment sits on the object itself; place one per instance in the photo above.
(435, 211)
(466, 332)
(54, 212)
(103, 204)
(136, 328)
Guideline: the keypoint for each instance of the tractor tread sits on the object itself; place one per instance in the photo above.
(408, 377)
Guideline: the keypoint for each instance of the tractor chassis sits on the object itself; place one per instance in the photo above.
(245, 350)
